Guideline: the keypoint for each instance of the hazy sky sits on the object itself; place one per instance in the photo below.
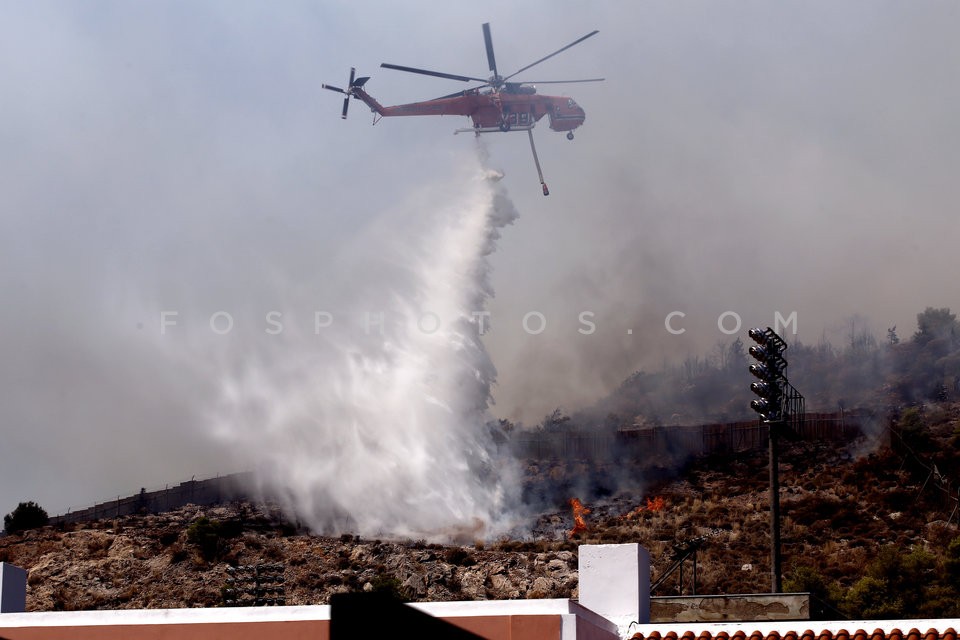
(743, 156)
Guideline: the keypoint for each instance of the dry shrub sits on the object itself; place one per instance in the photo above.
(274, 551)
(98, 547)
(460, 557)
(168, 536)
(127, 594)
(178, 553)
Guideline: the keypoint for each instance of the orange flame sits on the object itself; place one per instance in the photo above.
(657, 503)
(579, 523)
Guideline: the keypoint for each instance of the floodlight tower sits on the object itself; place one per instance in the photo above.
(770, 368)
(781, 408)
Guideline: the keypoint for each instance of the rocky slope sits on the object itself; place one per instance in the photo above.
(843, 508)
(154, 561)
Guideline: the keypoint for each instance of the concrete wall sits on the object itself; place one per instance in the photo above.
(750, 607)
(495, 620)
(202, 492)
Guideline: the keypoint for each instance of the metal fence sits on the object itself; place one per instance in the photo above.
(676, 440)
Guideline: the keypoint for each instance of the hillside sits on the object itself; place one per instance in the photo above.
(870, 527)
(863, 372)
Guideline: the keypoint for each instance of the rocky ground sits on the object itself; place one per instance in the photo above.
(841, 506)
(153, 561)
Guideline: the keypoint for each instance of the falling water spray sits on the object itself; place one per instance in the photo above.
(381, 427)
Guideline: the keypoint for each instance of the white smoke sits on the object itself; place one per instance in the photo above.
(376, 422)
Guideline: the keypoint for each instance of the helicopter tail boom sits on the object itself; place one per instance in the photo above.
(355, 89)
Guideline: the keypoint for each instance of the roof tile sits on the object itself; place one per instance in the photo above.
(808, 634)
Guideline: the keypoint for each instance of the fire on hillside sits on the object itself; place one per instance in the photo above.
(579, 522)
(655, 504)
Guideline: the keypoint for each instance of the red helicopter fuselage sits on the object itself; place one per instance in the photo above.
(503, 110)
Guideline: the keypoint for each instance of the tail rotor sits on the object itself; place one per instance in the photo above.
(353, 83)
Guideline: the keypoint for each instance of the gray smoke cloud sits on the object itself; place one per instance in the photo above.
(754, 158)
(751, 157)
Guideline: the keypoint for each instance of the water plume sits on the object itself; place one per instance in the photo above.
(378, 424)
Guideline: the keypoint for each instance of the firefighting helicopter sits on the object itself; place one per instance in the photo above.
(496, 105)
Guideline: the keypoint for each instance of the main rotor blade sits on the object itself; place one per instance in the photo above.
(332, 88)
(437, 74)
(562, 81)
(346, 105)
(561, 50)
(462, 92)
(488, 41)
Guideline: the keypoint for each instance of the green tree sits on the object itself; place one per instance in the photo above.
(913, 429)
(211, 536)
(805, 579)
(556, 421)
(27, 515)
(951, 562)
(873, 598)
(736, 357)
(896, 585)
(935, 324)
